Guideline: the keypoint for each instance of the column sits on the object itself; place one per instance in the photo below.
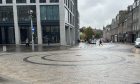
(74, 37)
(28, 1)
(47, 1)
(62, 23)
(4, 1)
(39, 29)
(70, 35)
(17, 30)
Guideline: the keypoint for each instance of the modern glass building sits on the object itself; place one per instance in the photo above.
(54, 21)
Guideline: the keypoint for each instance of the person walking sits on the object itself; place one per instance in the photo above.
(27, 42)
(100, 42)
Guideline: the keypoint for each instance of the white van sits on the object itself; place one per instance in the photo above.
(137, 42)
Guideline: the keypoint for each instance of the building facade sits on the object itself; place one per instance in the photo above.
(126, 26)
(54, 21)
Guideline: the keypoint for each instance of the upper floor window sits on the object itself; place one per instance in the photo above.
(21, 1)
(0, 1)
(42, 1)
(54, 1)
(32, 1)
(9, 1)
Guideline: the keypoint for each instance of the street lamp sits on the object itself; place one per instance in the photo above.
(32, 29)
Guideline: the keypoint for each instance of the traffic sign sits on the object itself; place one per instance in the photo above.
(33, 29)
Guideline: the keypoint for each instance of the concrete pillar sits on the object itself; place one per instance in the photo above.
(74, 38)
(70, 35)
(47, 1)
(17, 30)
(39, 28)
(28, 1)
(4, 1)
(62, 23)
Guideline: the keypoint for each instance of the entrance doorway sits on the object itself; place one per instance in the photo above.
(7, 35)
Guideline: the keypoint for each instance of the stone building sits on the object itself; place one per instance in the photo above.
(126, 26)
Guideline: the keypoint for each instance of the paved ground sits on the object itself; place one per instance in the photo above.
(38, 48)
(84, 64)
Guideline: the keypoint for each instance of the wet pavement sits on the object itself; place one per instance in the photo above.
(7, 80)
(83, 64)
(38, 48)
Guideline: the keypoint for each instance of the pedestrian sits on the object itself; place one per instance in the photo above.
(27, 42)
(100, 42)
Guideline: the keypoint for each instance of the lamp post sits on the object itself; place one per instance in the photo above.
(32, 29)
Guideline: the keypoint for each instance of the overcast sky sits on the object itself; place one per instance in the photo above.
(99, 13)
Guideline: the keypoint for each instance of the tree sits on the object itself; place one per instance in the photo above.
(88, 33)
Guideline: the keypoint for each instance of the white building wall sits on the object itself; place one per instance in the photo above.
(62, 23)
(17, 30)
(39, 29)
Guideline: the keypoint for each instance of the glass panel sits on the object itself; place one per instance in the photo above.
(54, 1)
(50, 12)
(32, 1)
(51, 34)
(9, 1)
(6, 13)
(0, 1)
(21, 1)
(23, 13)
(42, 1)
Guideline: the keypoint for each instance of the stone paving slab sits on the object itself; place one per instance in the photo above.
(7, 80)
(87, 65)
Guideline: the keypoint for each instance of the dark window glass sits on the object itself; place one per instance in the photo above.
(0, 1)
(9, 1)
(32, 1)
(42, 1)
(54, 1)
(21, 1)
(23, 13)
(50, 12)
(6, 14)
(51, 34)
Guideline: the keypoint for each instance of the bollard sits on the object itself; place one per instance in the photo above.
(4, 49)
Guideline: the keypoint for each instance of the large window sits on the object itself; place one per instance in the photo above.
(23, 13)
(0, 1)
(51, 34)
(54, 1)
(6, 14)
(9, 1)
(21, 1)
(32, 1)
(50, 12)
(42, 1)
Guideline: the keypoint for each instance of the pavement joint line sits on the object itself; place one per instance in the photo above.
(26, 59)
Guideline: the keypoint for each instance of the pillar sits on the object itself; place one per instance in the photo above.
(62, 23)
(17, 30)
(39, 29)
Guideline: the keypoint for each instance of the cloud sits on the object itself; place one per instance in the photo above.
(97, 13)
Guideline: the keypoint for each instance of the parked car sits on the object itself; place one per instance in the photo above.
(137, 42)
(92, 41)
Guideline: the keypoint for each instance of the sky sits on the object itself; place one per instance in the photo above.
(99, 13)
